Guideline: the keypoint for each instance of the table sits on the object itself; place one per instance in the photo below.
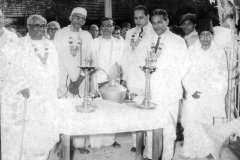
(111, 118)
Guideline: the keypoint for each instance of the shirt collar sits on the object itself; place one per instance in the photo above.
(146, 27)
(193, 33)
(28, 38)
(164, 34)
(105, 38)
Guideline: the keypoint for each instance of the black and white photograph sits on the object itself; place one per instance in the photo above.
(120, 79)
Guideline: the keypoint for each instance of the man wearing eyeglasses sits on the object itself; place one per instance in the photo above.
(94, 30)
(107, 51)
(29, 96)
(74, 48)
(52, 28)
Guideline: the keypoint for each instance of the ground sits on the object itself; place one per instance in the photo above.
(123, 153)
(110, 153)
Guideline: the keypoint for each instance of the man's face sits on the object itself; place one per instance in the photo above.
(188, 27)
(94, 31)
(51, 30)
(107, 27)
(124, 32)
(159, 24)
(37, 29)
(205, 38)
(140, 19)
(77, 20)
(117, 33)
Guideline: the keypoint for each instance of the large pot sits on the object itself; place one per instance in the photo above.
(113, 91)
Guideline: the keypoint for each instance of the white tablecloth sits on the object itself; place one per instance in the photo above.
(109, 117)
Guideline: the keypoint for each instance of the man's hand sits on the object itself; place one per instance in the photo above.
(25, 93)
(123, 83)
(196, 95)
(73, 87)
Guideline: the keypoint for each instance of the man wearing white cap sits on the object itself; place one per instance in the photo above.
(73, 46)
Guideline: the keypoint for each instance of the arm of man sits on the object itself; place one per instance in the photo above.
(186, 65)
(17, 80)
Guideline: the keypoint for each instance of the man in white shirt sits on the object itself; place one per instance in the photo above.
(171, 53)
(8, 43)
(28, 118)
(74, 47)
(52, 28)
(94, 30)
(135, 52)
(188, 24)
(206, 86)
(107, 52)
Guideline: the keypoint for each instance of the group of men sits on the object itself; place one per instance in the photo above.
(39, 70)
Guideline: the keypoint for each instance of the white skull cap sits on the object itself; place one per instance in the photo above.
(79, 10)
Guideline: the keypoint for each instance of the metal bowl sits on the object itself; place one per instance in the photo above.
(113, 92)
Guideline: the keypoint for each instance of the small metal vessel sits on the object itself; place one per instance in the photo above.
(113, 91)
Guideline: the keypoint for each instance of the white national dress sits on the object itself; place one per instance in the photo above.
(135, 51)
(70, 45)
(208, 75)
(166, 87)
(221, 133)
(106, 54)
(191, 38)
(8, 46)
(40, 125)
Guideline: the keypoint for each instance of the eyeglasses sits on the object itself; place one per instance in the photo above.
(38, 25)
(78, 17)
(53, 29)
(107, 26)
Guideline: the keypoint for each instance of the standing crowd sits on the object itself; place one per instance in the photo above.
(43, 66)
